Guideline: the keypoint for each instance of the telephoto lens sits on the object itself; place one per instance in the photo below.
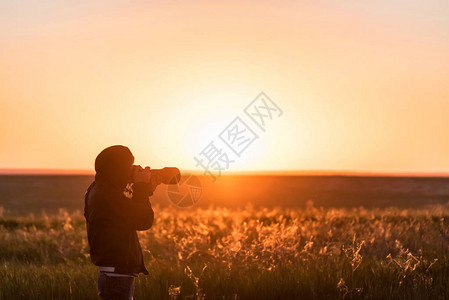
(170, 175)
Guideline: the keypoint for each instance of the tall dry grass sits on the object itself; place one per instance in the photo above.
(250, 253)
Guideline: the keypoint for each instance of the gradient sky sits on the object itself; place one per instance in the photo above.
(363, 85)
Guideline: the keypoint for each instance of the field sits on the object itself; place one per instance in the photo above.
(21, 195)
(242, 253)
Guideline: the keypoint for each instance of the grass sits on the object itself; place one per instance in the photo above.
(220, 253)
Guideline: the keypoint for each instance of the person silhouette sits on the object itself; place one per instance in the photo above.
(113, 219)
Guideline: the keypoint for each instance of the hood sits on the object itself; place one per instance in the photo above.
(113, 166)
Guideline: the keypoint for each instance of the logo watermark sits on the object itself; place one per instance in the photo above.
(186, 192)
(218, 155)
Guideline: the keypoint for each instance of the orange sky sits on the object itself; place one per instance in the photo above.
(363, 87)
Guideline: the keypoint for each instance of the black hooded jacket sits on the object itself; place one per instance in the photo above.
(112, 218)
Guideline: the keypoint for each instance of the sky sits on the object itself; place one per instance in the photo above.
(362, 86)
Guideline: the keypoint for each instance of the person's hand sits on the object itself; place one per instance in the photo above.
(141, 175)
(154, 181)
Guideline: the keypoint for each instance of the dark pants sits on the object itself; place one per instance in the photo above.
(115, 288)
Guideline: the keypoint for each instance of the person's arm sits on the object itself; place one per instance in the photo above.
(141, 192)
(135, 213)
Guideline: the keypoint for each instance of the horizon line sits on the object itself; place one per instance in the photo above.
(55, 171)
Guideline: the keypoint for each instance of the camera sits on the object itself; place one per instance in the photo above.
(169, 175)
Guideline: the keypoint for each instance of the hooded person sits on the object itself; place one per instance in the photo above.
(112, 220)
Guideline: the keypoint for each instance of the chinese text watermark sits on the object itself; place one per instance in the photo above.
(237, 136)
